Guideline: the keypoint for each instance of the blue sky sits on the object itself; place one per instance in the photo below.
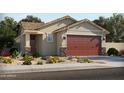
(51, 16)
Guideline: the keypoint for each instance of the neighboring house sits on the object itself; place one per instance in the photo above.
(63, 36)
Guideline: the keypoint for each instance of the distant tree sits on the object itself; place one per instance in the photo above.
(7, 32)
(101, 22)
(115, 25)
(31, 18)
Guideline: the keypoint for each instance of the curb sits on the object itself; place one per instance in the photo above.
(52, 69)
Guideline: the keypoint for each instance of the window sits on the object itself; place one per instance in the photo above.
(50, 38)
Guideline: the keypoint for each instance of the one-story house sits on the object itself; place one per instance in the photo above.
(64, 37)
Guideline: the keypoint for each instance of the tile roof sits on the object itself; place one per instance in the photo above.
(57, 20)
(38, 26)
(31, 25)
(78, 22)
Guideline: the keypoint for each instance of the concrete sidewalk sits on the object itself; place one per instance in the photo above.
(57, 67)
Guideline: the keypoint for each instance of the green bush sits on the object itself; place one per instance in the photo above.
(27, 63)
(36, 54)
(113, 51)
(27, 60)
(39, 63)
(15, 54)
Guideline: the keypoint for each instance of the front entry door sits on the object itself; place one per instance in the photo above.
(33, 43)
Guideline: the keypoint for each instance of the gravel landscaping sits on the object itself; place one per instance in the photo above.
(29, 60)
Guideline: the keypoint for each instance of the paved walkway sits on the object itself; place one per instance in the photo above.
(57, 67)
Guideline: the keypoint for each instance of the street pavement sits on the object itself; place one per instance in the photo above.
(87, 74)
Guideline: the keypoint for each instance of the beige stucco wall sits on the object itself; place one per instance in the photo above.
(50, 48)
(87, 29)
(118, 46)
(60, 41)
(22, 44)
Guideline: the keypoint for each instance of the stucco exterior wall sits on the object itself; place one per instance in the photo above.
(118, 46)
(60, 41)
(87, 29)
(22, 44)
(50, 48)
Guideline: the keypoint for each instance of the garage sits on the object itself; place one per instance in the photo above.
(80, 45)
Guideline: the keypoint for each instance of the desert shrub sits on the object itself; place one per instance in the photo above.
(36, 54)
(27, 57)
(84, 60)
(27, 60)
(112, 51)
(80, 60)
(121, 52)
(52, 59)
(7, 60)
(15, 54)
(39, 63)
(1, 57)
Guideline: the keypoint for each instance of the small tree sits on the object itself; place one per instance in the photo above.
(7, 32)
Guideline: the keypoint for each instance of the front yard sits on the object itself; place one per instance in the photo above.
(15, 58)
(30, 60)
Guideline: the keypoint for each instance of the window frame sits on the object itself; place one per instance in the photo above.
(50, 37)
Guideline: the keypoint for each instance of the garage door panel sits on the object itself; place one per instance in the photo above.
(82, 53)
(83, 45)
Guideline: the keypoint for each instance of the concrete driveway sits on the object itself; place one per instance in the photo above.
(107, 58)
(114, 61)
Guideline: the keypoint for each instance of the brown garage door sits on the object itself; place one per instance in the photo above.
(78, 45)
